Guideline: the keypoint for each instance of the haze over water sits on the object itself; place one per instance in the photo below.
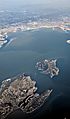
(29, 47)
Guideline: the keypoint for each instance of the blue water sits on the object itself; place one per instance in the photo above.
(29, 47)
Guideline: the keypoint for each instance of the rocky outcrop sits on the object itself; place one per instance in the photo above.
(48, 67)
(20, 93)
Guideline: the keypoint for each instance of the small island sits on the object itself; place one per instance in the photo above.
(68, 41)
(20, 93)
(48, 67)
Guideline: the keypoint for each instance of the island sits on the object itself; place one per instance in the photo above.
(48, 67)
(20, 92)
(68, 41)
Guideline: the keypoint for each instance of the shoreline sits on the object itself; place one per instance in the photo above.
(29, 27)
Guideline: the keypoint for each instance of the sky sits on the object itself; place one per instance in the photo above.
(53, 3)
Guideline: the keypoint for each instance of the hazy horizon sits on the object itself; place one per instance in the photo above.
(48, 3)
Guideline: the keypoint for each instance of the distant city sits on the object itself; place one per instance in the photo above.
(22, 20)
